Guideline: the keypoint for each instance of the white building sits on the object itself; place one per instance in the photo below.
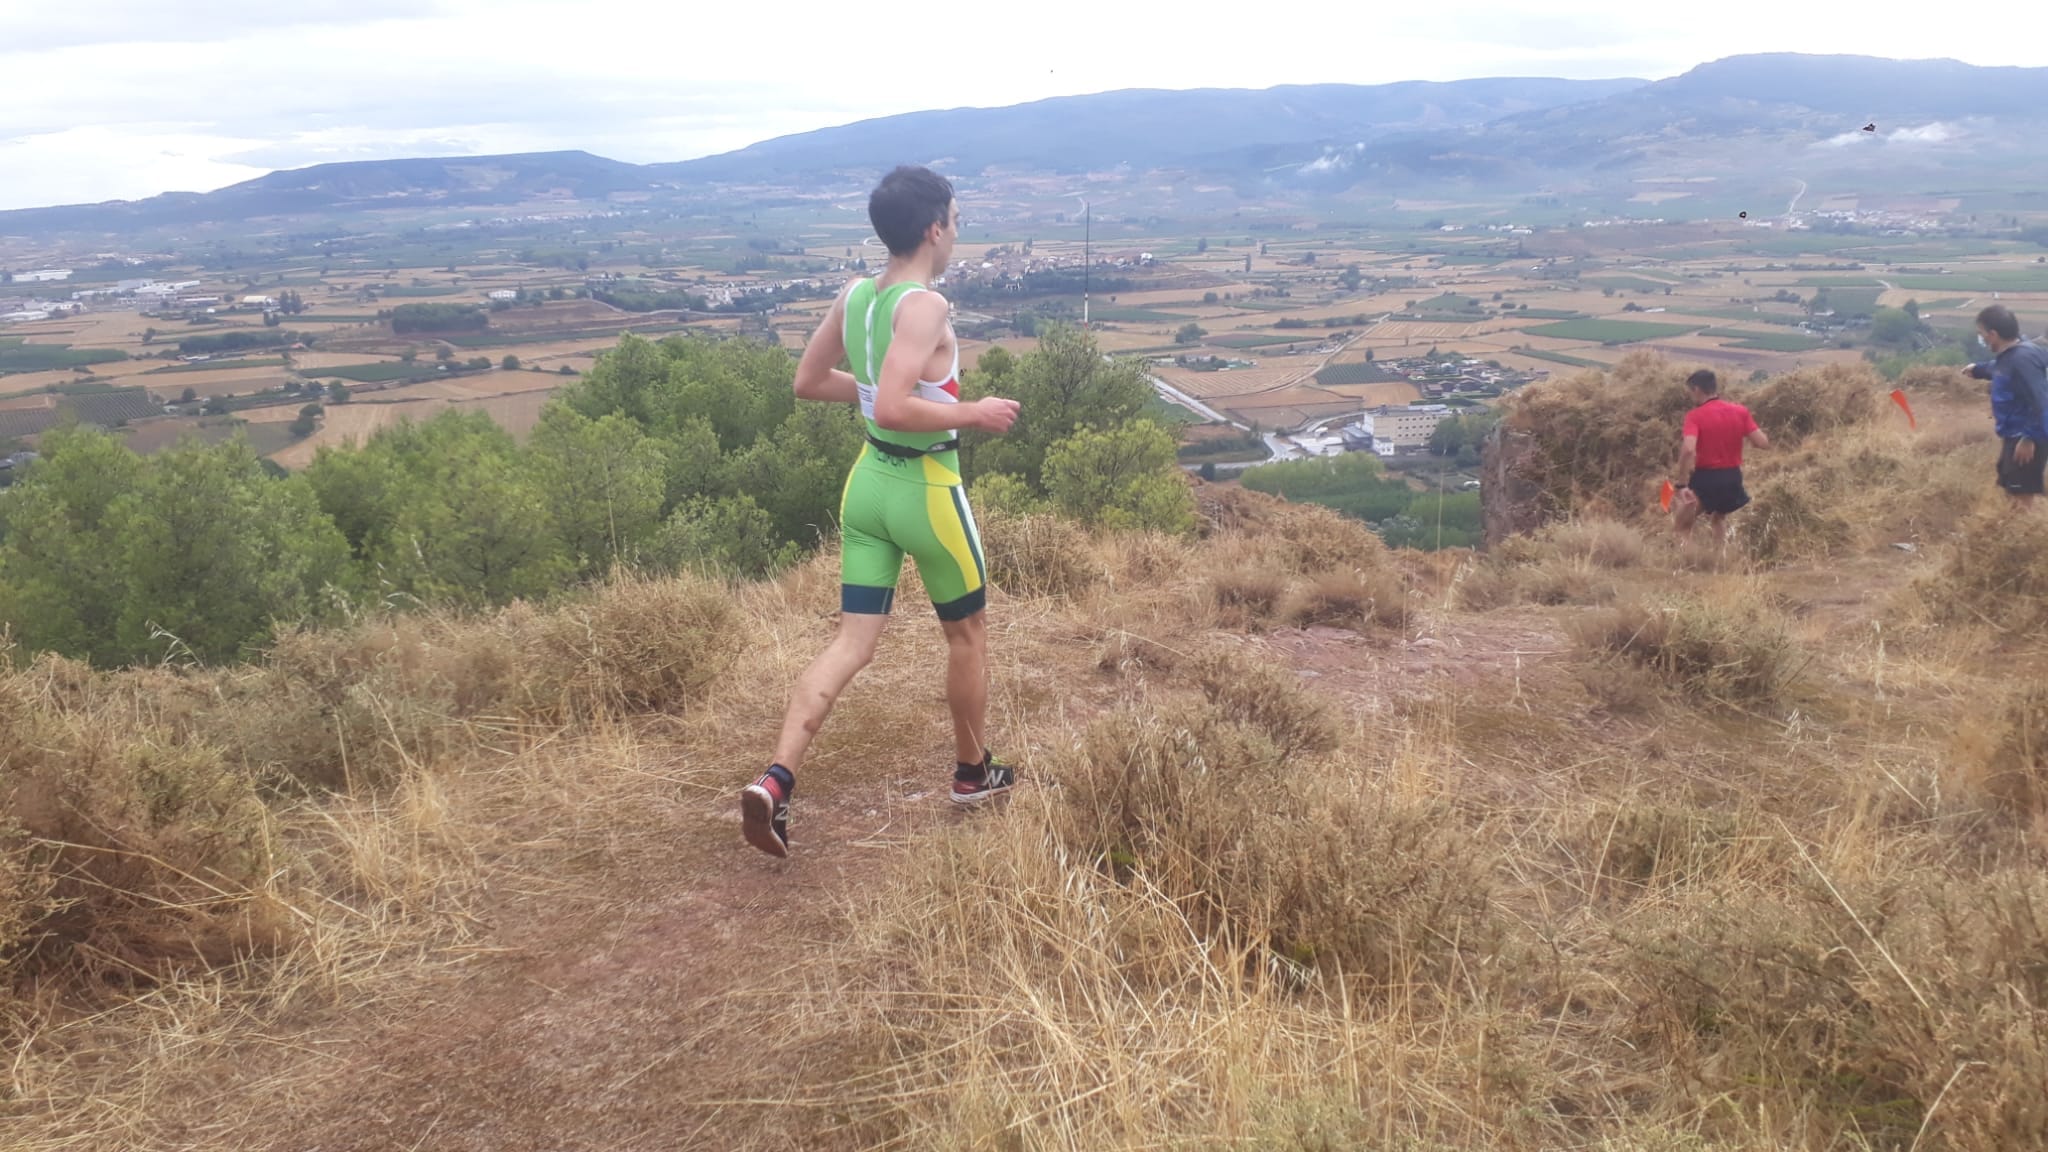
(503, 294)
(1407, 426)
(259, 301)
(42, 276)
(23, 317)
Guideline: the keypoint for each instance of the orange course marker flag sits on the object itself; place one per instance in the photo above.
(1899, 398)
(1664, 497)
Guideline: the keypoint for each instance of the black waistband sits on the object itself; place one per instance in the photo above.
(904, 452)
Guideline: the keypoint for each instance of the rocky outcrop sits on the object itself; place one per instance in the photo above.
(1509, 504)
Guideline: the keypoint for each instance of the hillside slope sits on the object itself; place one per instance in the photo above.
(1589, 842)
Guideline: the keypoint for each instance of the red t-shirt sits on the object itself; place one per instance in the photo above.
(1720, 425)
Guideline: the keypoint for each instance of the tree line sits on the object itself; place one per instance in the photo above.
(688, 452)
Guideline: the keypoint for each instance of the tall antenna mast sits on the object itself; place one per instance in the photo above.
(1087, 256)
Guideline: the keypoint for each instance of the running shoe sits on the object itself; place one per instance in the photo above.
(989, 779)
(764, 810)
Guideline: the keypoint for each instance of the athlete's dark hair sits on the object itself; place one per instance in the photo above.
(2000, 322)
(1704, 381)
(906, 203)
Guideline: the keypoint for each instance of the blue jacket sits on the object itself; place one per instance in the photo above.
(2019, 391)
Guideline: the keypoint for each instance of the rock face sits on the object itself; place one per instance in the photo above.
(1508, 504)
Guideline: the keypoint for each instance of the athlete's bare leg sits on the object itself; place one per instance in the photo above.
(967, 684)
(820, 685)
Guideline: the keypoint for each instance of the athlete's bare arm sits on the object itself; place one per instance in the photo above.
(817, 375)
(1688, 455)
(919, 333)
(1757, 437)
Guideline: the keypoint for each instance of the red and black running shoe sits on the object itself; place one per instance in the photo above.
(764, 810)
(979, 783)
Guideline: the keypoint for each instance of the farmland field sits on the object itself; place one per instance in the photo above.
(1766, 341)
(1608, 331)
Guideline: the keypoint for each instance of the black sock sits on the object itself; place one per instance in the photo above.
(973, 773)
(784, 777)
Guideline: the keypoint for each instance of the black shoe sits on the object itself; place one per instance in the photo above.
(764, 810)
(989, 779)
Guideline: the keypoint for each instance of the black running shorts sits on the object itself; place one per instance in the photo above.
(1719, 489)
(2014, 476)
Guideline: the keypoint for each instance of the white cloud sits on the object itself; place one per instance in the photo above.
(125, 98)
(1935, 133)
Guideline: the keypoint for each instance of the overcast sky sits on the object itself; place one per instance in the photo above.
(119, 99)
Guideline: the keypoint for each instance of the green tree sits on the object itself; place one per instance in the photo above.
(1202, 245)
(307, 420)
(510, 363)
(473, 527)
(1893, 327)
(215, 551)
(1351, 278)
(410, 355)
(604, 481)
(1122, 477)
(444, 353)
(728, 535)
(1000, 492)
(1061, 385)
(62, 583)
(188, 396)
(1189, 333)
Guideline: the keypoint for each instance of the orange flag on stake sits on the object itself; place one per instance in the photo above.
(1899, 398)
(1664, 497)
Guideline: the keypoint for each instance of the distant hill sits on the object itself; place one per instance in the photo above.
(1763, 119)
(1142, 128)
(1742, 114)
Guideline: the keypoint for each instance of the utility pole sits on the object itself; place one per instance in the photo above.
(1087, 256)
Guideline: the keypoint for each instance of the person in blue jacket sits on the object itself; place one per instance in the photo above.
(2018, 371)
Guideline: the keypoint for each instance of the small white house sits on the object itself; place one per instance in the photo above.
(259, 301)
(503, 294)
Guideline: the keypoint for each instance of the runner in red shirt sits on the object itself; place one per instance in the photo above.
(1710, 458)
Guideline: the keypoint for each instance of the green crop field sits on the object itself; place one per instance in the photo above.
(1792, 320)
(1547, 313)
(1608, 331)
(1765, 341)
(383, 371)
(1234, 340)
(217, 365)
(1558, 358)
(1354, 374)
(1626, 283)
(23, 357)
(1116, 314)
(1988, 280)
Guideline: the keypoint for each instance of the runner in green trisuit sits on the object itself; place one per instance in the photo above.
(903, 496)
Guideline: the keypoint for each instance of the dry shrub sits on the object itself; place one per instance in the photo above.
(360, 707)
(1931, 990)
(1809, 401)
(1348, 599)
(1217, 817)
(1038, 554)
(1651, 846)
(1268, 698)
(135, 853)
(1245, 594)
(2008, 749)
(1996, 571)
(1601, 543)
(1733, 653)
(636, 645)
(1563, 563)
(1946, 382)
(1789, 520)
(1317, 539)
(1601, 439)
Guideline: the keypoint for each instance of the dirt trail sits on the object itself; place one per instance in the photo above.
(619, 1025)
